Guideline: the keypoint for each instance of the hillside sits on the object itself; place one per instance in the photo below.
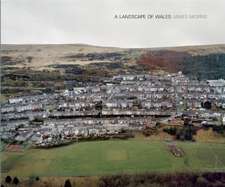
(36, 68)
(195, 66)
(40, 57)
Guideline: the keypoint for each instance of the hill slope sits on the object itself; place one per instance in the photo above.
(33, 68)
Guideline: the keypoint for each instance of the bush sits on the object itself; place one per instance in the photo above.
(171, 130)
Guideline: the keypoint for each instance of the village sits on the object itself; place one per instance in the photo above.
(113, 108)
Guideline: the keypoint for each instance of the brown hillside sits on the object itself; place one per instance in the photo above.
(170, 61)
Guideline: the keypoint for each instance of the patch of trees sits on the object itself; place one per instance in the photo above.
(14, 76)
(70, 68)
(9, 180)
(15, 181)
(46, 76)
(8, 60)
(204, 67)
(96, 56)
(186, 133)
(214, 179)
(15, 83)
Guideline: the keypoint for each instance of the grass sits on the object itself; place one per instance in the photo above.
(114, 156)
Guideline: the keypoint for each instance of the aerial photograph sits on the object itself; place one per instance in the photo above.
(117, 93)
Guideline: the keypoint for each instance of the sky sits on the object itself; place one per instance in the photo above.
(93, 22)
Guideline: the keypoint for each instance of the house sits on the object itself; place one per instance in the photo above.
(15, 100)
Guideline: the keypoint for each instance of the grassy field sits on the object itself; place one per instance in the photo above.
(114, 156)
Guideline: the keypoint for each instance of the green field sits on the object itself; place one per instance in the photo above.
(113, 156)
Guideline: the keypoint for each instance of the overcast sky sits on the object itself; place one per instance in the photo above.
(93, 22)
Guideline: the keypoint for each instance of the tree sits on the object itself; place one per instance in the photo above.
(8, 179)
(67, 183)
(16, 181)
